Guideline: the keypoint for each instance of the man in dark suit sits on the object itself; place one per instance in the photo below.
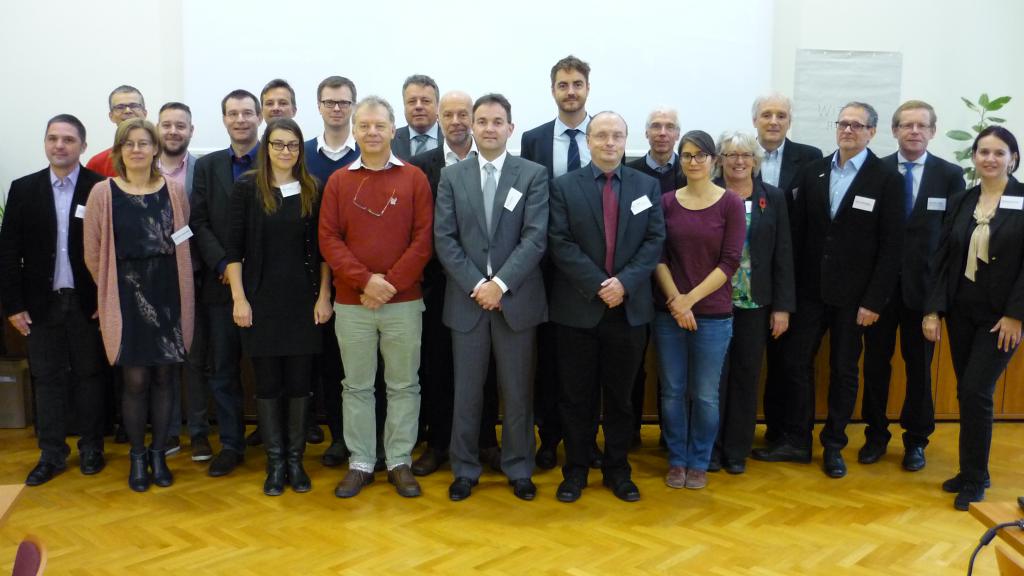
(490, 233)
(661, 161)
(214, 181)
(929, 184)
(420, 95)
(605, 235)
(49, 297)
(783, 159)
(847, 235)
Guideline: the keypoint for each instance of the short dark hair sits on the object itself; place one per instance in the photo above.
(872, 113)
(124, 89)
(335, 82)
(176, 106)
(1004, 135)
(421, 80)
(278, 83)
(914, 105)
(494, 98)
(68, 119)
(238, 94)
(571, 62)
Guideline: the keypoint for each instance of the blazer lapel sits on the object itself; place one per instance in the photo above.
(625, 204)
(49, 207)
(225, 174)
(924, 190)
(509, 173)
(1004, 214)
(756, 198)
(471, 181)
(589, 191)
(857, 184)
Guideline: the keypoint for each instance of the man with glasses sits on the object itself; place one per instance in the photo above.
(847, 221)
(661, 161)
(376, 224)
(213, 183)
(929, 183)
(335, 147)
(125, 102)
(420, 96)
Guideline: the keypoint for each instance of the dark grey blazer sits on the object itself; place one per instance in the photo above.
(401, 144)
(537, 145)
(515, 242)
(210, 220)
(794, 157)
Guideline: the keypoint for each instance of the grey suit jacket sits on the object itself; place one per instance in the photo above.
(515, 242)
(190, 173)
(401, 145)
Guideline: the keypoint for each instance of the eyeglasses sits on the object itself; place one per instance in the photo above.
(908, 126)
(140, 145)
(855, 126)
(392, 199)
(700, 157)
(292, 146)
(134, 107)
(244, 114)
(332, 104)
(739, 155)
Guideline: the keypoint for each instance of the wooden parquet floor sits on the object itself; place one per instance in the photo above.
(777, 519)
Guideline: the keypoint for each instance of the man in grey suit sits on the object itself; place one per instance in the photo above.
(423, 134)
(490, 233)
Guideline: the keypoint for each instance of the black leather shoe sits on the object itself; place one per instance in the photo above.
(523, 488)
(969, 492)
(335, 455)
(547, 458)
(43, 473)
(596, 457)
(254, 438)
(314, 434)
(734, 466)
(225, 462)
(956, 484)
(833, 463)
(429, 462)
(162, 476)
(871, 452)
(570, 490)
(461, 488)
(715, 464)
(625, 490)
(782, 452)
(138, 471)
(913, 458)
(91, 462)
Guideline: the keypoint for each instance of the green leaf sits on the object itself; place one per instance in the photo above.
(970, 104)
(962, 155)
(983, 100)
(959, 135)
(996, 119)
(997, 103)
(978, 127)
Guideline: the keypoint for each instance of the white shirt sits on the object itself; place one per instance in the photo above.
(771, 166)
(917, 170)
(560, 147)
(450, 157)
(498, 163)
(392, 161)
(335, 154)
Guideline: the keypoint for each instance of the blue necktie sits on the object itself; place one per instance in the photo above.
(908, 188)
(573, 162)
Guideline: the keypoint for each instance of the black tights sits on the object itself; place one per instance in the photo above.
(157, 383)
(278, 376)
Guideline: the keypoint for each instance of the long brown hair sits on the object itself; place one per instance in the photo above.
(265, 174)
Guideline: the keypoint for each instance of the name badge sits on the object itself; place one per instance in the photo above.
(290, 189)
(865, 204)
(749, 206)
(1012, 202)
(513, 198)
(181, 235)
(79, 211)
(937, 204)
(639, 205)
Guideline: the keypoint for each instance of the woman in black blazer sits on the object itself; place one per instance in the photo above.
(763, 295)
(281, 292)
(979, 287)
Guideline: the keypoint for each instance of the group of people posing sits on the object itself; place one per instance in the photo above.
(403, 276)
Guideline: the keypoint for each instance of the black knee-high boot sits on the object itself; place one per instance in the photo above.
(268, 411)
(298, 413)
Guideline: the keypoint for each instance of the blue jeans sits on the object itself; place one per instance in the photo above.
(690, 367)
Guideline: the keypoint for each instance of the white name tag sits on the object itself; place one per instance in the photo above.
(865, 204)
(181, 235)
(937, 204)
(290, 189)
(79, 211)
(639, 205)
(749, 206)
(513, 198)
(1012, 202)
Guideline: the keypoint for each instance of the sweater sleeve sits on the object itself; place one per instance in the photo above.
(735, 234)
(408, 269)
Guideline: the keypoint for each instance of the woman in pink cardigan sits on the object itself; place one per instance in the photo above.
(135, 247)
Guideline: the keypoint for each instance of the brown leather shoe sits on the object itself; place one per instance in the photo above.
(696, 479)
(676, 477)
(405, 483)
(352, 483)
(429, 462)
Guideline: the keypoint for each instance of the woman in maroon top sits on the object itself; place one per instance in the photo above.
(705, 229)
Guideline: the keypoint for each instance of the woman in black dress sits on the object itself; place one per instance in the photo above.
(979, 287)
(281, 292)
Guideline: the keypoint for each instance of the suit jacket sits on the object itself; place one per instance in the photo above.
(515, 242)
(430, 162)
(1005, 269)
(537, 144)
(942, 180)
(28, 245)
(577, 247)
(190, 174)
(402, 143)
(854, 259)
(211, 221)
(670, 182)
(794, 157)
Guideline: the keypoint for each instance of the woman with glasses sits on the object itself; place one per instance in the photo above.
(763, 295)
(281, 292)
(136, 227)
(978, 286)
(692, 328)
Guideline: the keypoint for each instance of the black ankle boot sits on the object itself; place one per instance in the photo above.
(268, 410)
(298, 411)
(162, 476)
(138, 473)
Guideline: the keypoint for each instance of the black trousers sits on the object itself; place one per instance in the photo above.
(65, 353)
(326, 381)
(737, 391)
(591, 362)
(775, 385)
(918, 414)
(808, 326)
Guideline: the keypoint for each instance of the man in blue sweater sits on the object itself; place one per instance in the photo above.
(335, 147)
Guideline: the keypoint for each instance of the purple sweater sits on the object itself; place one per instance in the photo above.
(697, 242)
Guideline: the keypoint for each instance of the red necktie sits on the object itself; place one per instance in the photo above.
(611, 222)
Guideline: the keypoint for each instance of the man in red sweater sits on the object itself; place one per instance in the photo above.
(376, 226)
(125, 102)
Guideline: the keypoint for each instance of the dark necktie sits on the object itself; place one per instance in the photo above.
(611, 222)
(573, 160)
(908, 188)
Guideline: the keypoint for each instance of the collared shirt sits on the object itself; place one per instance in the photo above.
(63, 194)
(599, 179)
(336, 154)
(771, 166)
(841, 178)
(917, 170)
(242, 164)
(450, 157)
(498, 164)
(560, 150)
(175, 173)
(431, 142)
(660, 168)
(392, 161)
